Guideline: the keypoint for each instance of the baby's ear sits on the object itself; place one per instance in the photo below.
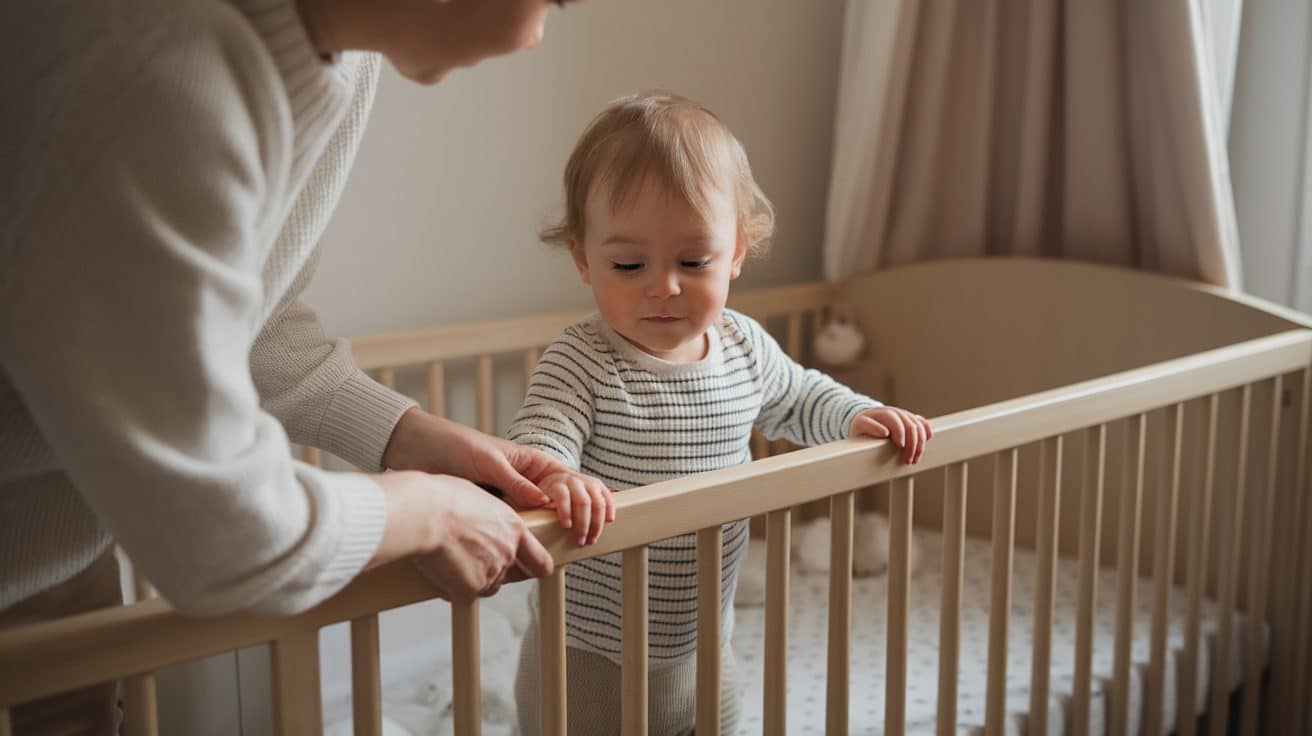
(580, 259)
(739, 255)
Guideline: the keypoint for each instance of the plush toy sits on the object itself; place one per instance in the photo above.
(870, 536)
(839, 343)
(839, 349)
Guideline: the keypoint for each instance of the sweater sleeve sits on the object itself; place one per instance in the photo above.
(307, 380)
(312, 385)
(558, 408)
(801, 405)
(128, 334)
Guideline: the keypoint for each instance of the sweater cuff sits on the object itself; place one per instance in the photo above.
(355, 518)
(358, 423)
(363, 519)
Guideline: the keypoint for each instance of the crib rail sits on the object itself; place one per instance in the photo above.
(141, 638)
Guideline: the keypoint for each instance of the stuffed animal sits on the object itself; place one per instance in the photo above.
(870, 537)
(839, 343)
(839, 349)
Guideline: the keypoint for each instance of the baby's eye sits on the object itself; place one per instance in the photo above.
(699, 263)
(626, 266)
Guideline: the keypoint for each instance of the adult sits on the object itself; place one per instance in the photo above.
(169, 167)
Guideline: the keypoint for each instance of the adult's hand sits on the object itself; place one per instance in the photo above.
(422, 441)
(466, 542)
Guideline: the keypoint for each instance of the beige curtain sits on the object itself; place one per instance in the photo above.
(1048, 128)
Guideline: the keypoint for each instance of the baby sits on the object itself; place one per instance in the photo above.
(663, 381)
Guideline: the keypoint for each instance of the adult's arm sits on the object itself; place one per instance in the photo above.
(131, 292)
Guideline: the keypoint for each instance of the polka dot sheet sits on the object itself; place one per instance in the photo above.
(807, 647)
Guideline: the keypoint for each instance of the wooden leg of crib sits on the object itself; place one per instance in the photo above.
(1127, 572)
(1199, 544)
(297, 708)
(710, 549)
(1095, 457)
(1301, 596)
(1284, 557)
(900, 503)
(366, 677)
(954, 537)
(1047, 520)
(1258, 570)
(140, 716)
(1219, 714)
(1164, 571)
(464, 665)
(841, 511)
(777, 541)
(551, 655)
(1004, 523)
(633, 672)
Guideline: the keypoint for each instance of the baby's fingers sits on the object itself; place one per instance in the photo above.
(600, 512)
(870, 427)
(583, 511)
(558, 492)
(918, 434)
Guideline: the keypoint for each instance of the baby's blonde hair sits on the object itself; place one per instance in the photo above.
(690, 151)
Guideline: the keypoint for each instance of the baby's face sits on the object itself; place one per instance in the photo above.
(659, 272)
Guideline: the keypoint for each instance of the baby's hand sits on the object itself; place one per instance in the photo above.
(908, 431)
(581, 502)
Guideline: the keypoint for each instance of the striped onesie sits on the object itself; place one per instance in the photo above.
(630, 419)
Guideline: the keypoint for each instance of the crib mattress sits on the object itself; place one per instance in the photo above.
(807, 648)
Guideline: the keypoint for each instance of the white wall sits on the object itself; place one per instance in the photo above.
(438, 221)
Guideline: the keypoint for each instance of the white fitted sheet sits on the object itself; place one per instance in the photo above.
(808, 622)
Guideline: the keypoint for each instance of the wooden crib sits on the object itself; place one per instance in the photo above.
(1126, 420)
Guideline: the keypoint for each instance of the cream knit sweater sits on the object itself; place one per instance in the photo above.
(168, 167)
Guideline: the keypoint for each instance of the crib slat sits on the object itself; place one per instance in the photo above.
(312, 456)
(1219, 714)
(1095, 458)
(1164, 571)
(437, 388)
(551, 654)
(366, 677)
(1127, 571)
(1049, 513)
(387, 376)
(1197, 578)
(483, 395)
(1259, 567)
(813, 327)
(633, 673)
(710, 548)
(465, 669)
(140, 706)
(900, 501)
(1301, 608)
(778, 532)
(841, 510)
(296, 705)
(760, 445)
(1004, 523)
(954, 542)
(531, 358)
(140, 716)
